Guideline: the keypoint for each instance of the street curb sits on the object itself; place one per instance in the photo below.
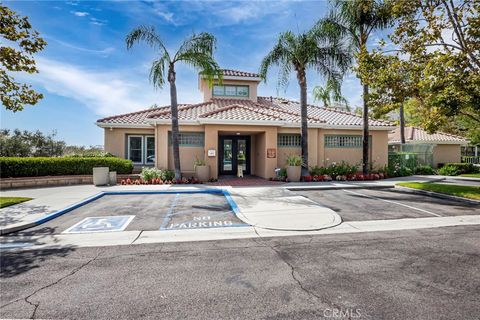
(438, 195)
(465, 179)
(313, 188)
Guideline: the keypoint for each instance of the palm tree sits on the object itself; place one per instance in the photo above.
(354, 21)
(196, 50)
(329, 93)
(299, 52)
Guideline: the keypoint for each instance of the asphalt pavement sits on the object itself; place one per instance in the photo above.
(414, 274)
(385, 204)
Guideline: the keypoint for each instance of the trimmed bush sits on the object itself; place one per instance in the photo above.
(12, 167)
(425, 170)
(454, 169)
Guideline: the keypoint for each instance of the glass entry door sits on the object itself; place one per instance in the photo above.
(234, 152)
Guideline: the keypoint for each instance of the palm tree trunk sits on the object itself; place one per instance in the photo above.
(365, 130)
(302, 81)
(174, 110)
(402, 125)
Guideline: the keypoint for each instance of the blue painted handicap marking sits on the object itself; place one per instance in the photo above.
(100, 224)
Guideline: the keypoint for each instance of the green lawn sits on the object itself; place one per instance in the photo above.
(8, 201)
(454, 190)
(471, 175)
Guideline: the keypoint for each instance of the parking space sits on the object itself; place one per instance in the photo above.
(144, 212)
(363, 204)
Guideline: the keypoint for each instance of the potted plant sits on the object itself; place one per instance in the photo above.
(294, 167)
(202, 170)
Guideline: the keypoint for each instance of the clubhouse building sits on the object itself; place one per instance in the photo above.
(233, 126)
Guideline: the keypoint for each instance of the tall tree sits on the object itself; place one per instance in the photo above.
(330, 92)
(16, 55)
(354, 21)
(312, 49)
(442, 39)
(196, 50)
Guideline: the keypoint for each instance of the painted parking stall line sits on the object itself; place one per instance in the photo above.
(101, 224)
(169, 215)
(394, 202)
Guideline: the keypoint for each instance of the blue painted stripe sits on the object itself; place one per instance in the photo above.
(209, 191)
(168, 217)
(230, 201)
(68, 209)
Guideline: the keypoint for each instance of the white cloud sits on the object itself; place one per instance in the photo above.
(105, 93)
(167, 16)
(80, 13)
(103, 52)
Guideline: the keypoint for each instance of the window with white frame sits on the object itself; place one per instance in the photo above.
(141, 149)
(289, 140)
(344, 141)
(230, 91)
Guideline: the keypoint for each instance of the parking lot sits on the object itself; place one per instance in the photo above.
(382, 204)
(168, 211)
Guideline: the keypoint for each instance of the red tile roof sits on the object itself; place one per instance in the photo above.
(265, 109)
(414, 134)
(236, 73)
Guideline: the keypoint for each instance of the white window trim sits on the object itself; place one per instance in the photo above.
(143, 146)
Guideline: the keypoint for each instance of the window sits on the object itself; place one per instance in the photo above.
(230, 91)
(188, 139)
(289, 140)
(150, 150)
(343, 141)
(141, 149)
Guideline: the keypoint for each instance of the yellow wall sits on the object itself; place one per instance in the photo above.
(444, 153)
(115, 139)
(263, 138)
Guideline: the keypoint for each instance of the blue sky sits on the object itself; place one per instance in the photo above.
(87, 73)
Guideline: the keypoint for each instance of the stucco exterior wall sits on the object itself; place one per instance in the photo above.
(443, 153)
(115, 139)
(252, 89)
(187, 158)
(378, 149)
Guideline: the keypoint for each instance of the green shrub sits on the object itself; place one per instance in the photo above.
(294, 160)
(448, 171)
(454, 169)
(11, 167)
(167, 175)
(148, 174)
(318, 171)
(282, 173)
(426, 170)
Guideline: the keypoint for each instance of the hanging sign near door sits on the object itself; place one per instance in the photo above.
(271, 153)
(211, 152)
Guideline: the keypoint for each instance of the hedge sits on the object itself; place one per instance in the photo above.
(11, 167)
(459, 168)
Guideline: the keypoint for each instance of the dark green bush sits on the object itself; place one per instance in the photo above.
(11, 167)
(426, 170)
(454, 169)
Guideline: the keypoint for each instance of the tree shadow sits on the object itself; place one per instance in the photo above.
(16, 213)
(16, 258)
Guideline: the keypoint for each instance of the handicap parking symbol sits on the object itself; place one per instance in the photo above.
(100, 224)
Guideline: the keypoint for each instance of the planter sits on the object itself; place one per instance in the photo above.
(294, 173)
(112, 178)
(202, 173)
(100, 176)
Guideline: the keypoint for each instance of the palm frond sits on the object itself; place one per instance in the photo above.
(204, 62)
(157, 71)
(147, 35)
(282, 54)
(204, 43)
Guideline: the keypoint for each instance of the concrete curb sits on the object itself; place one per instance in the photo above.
(437, 195)
(464, 179)
(318, 187)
